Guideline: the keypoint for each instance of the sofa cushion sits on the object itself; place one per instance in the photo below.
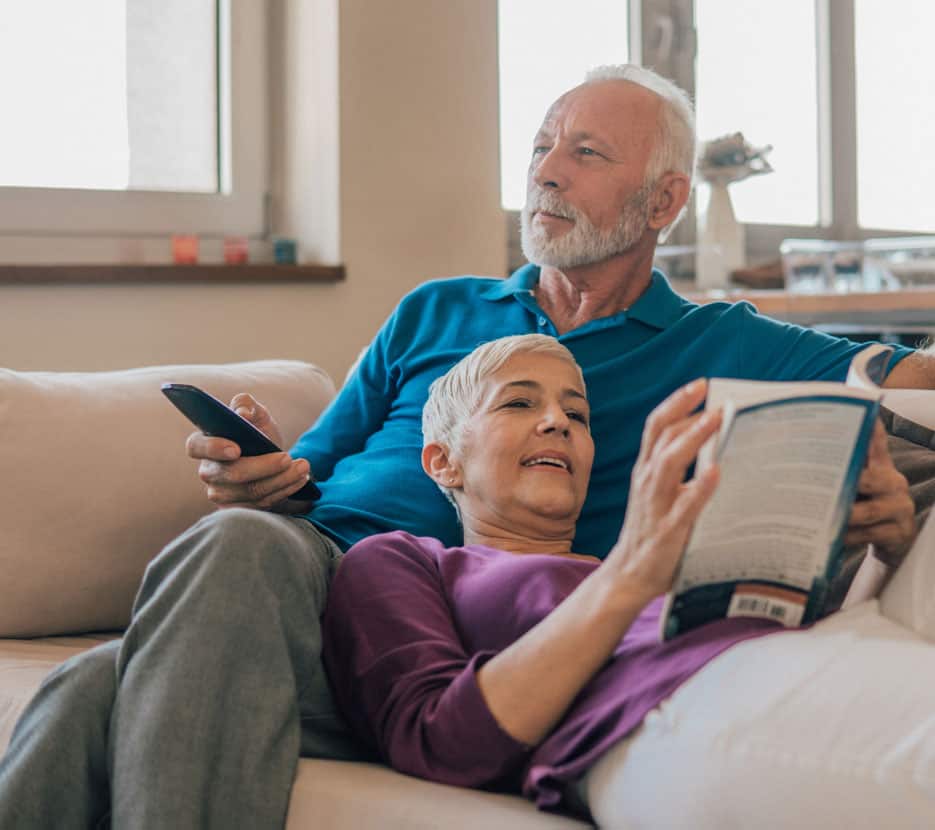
(97, 481)
(343, 795)
(23, 666)
(332, 794)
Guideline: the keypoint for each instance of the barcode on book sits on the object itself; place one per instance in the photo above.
(767, 603)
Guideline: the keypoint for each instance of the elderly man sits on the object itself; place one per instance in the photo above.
(198, 717)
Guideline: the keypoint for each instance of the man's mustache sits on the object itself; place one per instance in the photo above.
(546, 201)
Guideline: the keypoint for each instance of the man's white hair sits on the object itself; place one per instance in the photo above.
(455, 396)
(675, 147)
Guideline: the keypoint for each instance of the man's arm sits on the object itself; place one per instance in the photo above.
(359, 410)
(266, 482)
(263, 482)
(363, 403)
(883, 516)
(914, 371)
(775, 350)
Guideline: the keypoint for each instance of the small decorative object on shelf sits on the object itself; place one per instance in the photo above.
(842, 266)
(724, 161)
(284, 251)
(900, 261)
(816, 266)
(767, 276)
(185, 249)
(236, 250)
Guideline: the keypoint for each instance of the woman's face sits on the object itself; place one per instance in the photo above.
(525, 455)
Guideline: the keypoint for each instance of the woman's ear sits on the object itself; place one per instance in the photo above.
(438, 464)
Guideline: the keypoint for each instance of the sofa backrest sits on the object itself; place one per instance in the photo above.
(96, 481)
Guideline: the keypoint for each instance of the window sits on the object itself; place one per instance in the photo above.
(839, 88)
(895, 114)
(127, 117)
(546, 46)
(110, 95)
(756, 73)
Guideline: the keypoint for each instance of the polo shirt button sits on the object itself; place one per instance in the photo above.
(542, 321)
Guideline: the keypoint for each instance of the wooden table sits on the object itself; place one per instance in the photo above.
(909, 310)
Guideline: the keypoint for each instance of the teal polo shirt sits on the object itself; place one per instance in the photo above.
(365, 448)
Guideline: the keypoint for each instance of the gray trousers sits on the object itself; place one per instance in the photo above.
(198, 716)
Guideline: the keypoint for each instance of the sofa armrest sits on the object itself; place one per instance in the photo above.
(96, 481)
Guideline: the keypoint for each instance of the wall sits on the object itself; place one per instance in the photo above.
(417, 193)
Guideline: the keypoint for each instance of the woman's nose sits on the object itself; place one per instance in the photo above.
(555, 420)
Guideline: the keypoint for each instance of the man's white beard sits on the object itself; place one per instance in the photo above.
(584, 244)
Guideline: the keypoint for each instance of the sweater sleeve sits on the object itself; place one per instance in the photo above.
(400, 673)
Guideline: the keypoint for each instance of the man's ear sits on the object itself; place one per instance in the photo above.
(437, 462)
(669, 197)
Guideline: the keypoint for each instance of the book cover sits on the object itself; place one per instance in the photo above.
(770, 541)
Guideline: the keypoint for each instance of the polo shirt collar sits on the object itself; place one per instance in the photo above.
(522, 281)
(659, 306)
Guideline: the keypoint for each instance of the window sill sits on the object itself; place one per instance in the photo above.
(167, 274)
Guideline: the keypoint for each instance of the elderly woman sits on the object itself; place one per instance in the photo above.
(513, 661)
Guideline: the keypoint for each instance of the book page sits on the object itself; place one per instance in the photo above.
(732, 395)
(744, 393)
(774, 514)
(866, 372)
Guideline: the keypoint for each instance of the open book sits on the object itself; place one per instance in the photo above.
(770, 541)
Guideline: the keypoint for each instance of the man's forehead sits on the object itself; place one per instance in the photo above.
(603, 106)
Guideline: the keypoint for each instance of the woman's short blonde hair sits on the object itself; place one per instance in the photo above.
(455, 396)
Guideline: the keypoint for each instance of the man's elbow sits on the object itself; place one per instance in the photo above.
(915, 371)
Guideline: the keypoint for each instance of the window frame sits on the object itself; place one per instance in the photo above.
(103, 219)
(663, 34)
(836, 57)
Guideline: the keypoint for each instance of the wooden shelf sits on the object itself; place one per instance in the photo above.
(163, 274)
(783, 303)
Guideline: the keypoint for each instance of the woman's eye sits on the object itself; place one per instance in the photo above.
(587, 151)
(519, 403)
(578, 416)
(540, 150)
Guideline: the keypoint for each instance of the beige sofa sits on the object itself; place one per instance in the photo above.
(95, 482)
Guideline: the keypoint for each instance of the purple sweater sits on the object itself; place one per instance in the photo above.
(409, 623)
